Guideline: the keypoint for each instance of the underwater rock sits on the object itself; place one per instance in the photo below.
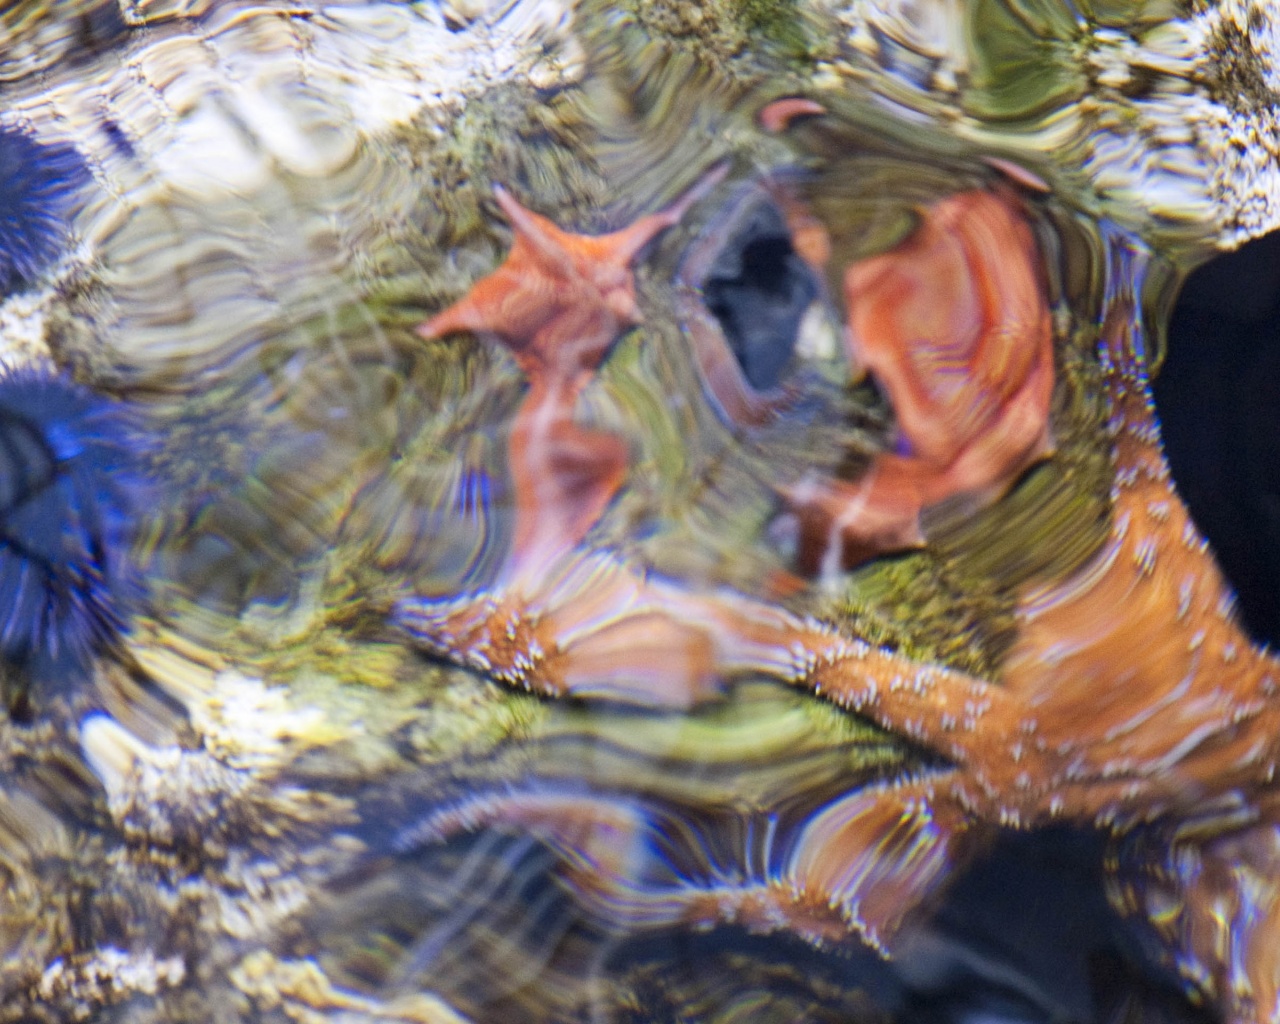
(307, 781)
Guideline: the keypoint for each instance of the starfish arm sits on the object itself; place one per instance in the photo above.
(563, 476)
(623, 246)
(879, 855)
(544, 244)
(464, 315)
(617, 861)
(556, 288)
(512, 303)
(863, 865)
(845, 523)
(1089, 723)
(647, 658)
(542, 277)
(1135, 660)
(594, 627)
(979, 726)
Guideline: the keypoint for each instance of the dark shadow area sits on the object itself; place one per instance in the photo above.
(759, 289)
(1026, 935)
(1218, 396)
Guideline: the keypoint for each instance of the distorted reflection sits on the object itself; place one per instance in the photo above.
(666, 521)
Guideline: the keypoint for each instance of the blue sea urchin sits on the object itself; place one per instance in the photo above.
(70, 481)
(37, 181)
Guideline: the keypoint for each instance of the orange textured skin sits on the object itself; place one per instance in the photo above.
(954, 324)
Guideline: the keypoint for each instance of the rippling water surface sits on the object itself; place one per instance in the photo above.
(512, 512)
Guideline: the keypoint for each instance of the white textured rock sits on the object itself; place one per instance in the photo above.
(1153, 140)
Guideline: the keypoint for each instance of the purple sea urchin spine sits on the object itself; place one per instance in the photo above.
(70, 481)
(37, 182)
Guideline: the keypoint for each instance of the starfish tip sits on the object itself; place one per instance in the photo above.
(511, 206)
(778, 115)
(445, 322)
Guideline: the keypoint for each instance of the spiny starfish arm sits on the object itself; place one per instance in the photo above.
(1130, 689)
(649, 659)
(621, 247)
(588, 627)
(878, 855)
(547, 245)
(967, 720)
(615, 861)
(580, 627)
(1136, 657)
(596, 627)
(863, 864)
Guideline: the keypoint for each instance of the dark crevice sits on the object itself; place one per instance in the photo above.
(1027, 935)
(1218, 396)
(759, 289)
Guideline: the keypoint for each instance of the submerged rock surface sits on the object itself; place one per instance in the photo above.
(659, 643)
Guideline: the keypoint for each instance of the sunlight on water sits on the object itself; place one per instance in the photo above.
(616, 512)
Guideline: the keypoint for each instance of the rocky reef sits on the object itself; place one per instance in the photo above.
(613, 511)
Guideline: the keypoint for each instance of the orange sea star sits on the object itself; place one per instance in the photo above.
(1132, 701)
(557, 303)
(561, 617)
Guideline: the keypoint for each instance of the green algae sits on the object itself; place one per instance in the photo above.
(1020, 68)
(1236, 79)
(746, 38)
